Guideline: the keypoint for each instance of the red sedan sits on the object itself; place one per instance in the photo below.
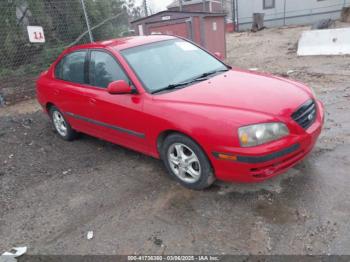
(170, 99)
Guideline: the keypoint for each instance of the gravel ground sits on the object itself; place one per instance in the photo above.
(54, 192)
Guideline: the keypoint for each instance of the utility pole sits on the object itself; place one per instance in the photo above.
(233, 9)
(284, 12)
(145, 7)
(87, 21)
(237, 14)
(180, 5)
(204, 8)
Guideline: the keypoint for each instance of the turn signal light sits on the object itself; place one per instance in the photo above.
(227, 157)
(244, 138)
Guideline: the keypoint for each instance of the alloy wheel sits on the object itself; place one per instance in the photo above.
(59, 123)
(184, 163)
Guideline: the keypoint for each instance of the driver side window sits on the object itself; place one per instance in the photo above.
(104, 69)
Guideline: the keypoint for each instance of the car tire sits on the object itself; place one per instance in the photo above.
(61, 125)
(186, 162)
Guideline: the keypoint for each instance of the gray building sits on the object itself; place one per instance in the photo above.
(286, 12)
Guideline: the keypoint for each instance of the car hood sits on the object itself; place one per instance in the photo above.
(244, 90)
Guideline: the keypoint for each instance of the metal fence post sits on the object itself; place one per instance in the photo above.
(87, 21)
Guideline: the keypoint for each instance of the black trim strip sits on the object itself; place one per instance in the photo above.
(265, 158)
(117, 128)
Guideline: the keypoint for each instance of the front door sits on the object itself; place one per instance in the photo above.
(119, 118)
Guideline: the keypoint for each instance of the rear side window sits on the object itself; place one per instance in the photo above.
(104, 69)
(71, 68)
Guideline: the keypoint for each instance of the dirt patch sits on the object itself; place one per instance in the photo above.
(345, 15)
(24, 107)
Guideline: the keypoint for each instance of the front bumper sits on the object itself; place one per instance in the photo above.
(266, 161)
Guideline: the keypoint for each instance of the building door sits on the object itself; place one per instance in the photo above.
(141, 33)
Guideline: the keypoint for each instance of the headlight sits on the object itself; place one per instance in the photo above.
(261, 133)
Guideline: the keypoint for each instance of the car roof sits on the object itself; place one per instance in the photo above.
(126, 42)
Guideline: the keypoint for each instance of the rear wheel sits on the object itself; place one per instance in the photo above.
(60, 124)
(186, 162)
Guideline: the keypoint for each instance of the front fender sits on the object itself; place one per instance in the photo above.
(208, 125)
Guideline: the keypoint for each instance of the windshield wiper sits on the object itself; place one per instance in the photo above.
(178, 85)
(169, 87)
(211, 73)
(201, 77)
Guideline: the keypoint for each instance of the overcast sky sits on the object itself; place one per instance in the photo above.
(156, 5)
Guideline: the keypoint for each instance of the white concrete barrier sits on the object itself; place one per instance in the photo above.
(325, 42)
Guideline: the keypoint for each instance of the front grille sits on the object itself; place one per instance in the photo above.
(305, 116)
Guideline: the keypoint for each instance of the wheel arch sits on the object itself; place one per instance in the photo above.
(48, 106)
(164, 134)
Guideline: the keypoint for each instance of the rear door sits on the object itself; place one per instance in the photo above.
(68, 89)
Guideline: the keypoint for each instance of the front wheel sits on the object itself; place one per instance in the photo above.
(186, 162)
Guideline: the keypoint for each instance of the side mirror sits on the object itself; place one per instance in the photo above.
(119, 87)
(219, 55)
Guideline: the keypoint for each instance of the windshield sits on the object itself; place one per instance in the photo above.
(169, 63)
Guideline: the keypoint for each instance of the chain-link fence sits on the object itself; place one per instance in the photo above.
(64, 24)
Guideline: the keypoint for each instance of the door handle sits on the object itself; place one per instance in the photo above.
(92, 101)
